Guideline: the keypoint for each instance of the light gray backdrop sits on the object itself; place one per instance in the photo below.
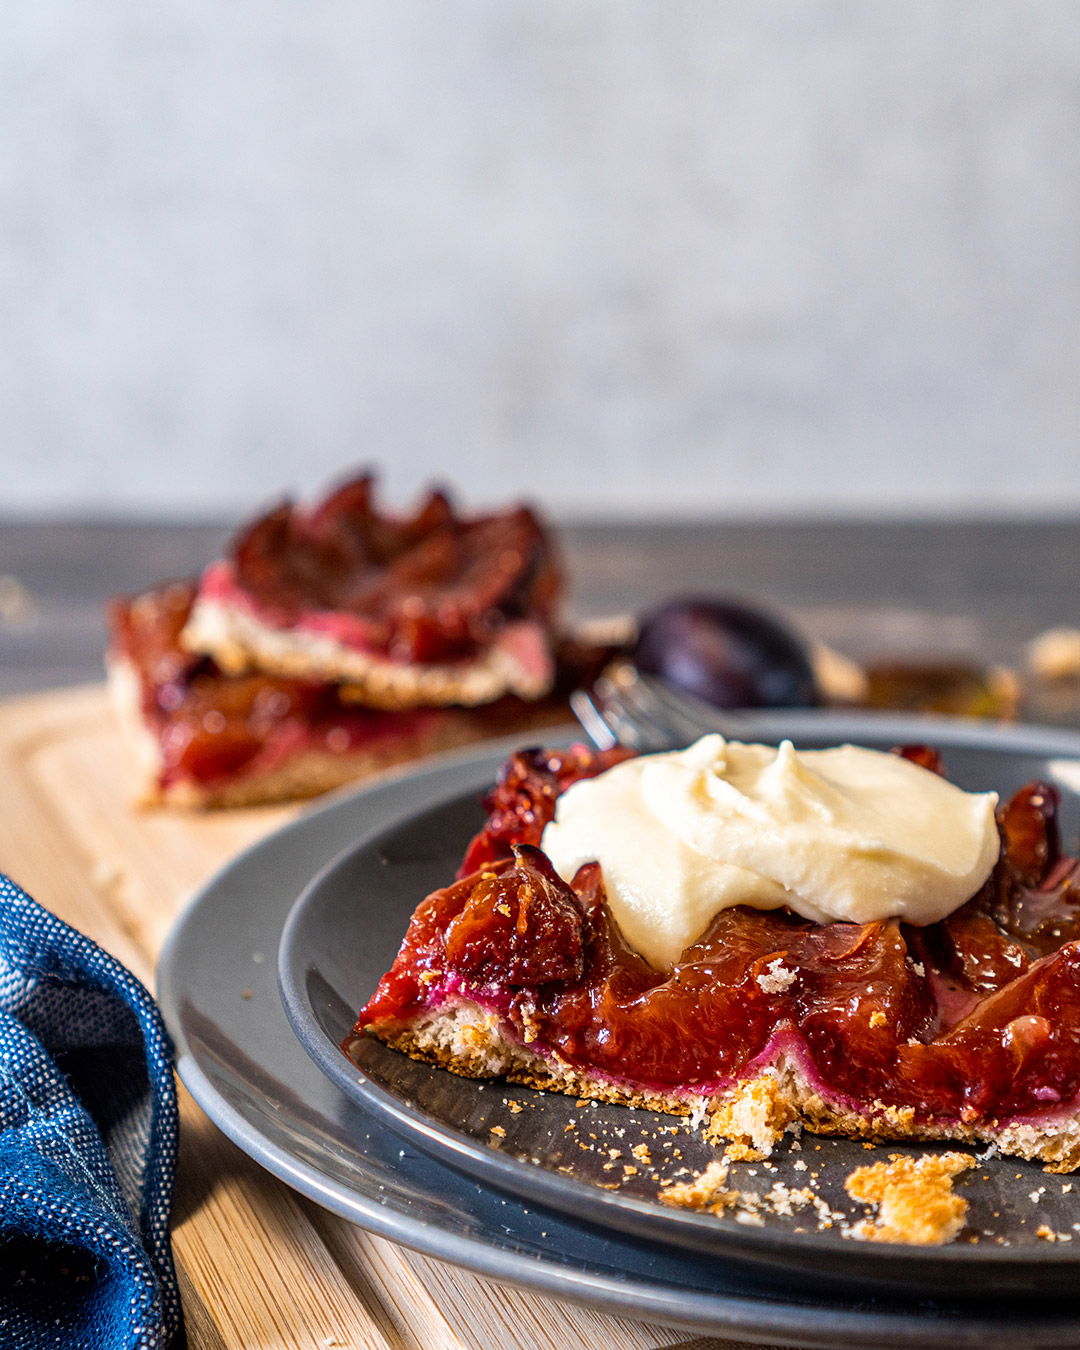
(627, 255)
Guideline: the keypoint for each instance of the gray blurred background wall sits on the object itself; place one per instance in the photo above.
(632, 256)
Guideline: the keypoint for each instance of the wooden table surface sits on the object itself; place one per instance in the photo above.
(262, 1267)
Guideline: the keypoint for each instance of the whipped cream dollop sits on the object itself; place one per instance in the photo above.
(841, 834)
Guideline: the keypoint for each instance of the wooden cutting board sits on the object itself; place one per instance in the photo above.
(261, 1267)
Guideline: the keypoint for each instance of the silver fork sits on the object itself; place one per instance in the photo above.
(627, 708)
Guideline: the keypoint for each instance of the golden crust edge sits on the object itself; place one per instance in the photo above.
(754, 1113)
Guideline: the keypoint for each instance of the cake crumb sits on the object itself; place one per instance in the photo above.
(707, 1191)
(914, 1197)
(776, 977)
(499, 1131)
(741, 1152)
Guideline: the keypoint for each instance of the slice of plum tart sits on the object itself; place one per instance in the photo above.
(953, 1014)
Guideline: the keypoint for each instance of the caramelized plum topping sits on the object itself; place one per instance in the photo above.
(522, 801)
(1034, 893)
(354, 533)
(925, 756)
(520, 926)
(257, 554)
(1020, 1048)
(1042, 918)
(1029, 827)
(976, 951)
(429, 587)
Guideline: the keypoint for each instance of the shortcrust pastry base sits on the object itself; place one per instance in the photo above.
(753, 1114)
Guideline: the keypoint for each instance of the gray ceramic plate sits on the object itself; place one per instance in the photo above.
(606, 1163)
(239, 1059)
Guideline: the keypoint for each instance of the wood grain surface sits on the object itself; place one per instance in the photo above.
(261, 1267)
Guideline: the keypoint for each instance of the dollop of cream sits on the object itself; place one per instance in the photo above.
(840, 834)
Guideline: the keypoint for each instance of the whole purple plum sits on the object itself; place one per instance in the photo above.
(728, 654)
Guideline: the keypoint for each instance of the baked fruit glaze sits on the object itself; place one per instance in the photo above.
(973, 1019)
(211, 726)
(431, 587)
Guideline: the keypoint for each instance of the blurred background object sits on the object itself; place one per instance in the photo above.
(795, 257)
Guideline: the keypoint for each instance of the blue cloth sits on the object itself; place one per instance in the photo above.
(88, 1134)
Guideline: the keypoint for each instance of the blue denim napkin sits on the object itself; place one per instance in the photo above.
(88, 1133)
